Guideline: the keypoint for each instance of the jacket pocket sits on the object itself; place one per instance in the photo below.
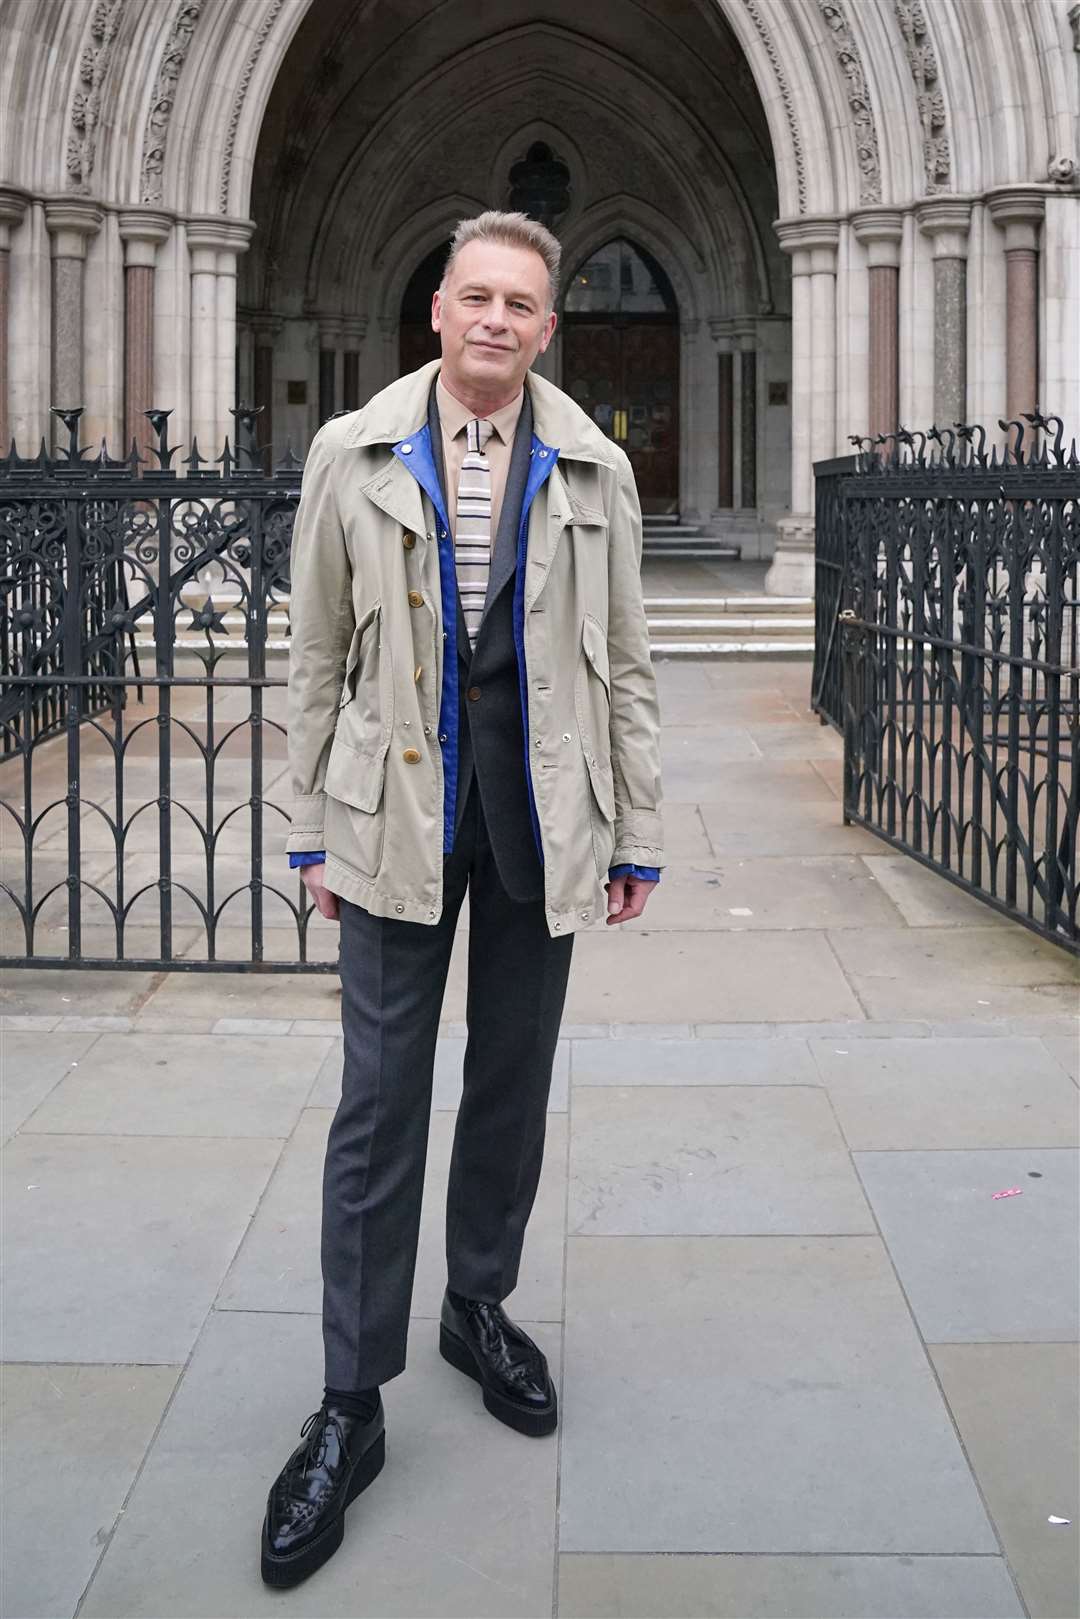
(355, 778)
(365, 640)
(594, 715)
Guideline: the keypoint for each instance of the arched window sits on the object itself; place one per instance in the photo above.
(621, 279)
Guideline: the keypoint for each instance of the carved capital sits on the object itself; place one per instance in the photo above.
(880, 231)
(13, 205)
(1019, 210)
(70, 221)
(947, 221)
(142, 231)
(811, 242)
(353, 331)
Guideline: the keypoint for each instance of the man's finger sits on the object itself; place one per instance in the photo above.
(635, 895)
(615, 895)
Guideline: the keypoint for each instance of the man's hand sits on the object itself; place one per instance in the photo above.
(325, 902)
(627, 897)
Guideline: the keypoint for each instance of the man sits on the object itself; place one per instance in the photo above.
(471, 707)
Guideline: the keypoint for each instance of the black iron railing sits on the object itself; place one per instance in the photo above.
(959, 675)
(143, 806)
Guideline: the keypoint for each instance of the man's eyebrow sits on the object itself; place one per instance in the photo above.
(481, 286)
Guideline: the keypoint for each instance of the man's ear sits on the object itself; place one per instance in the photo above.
(436, 310)
(549, 330)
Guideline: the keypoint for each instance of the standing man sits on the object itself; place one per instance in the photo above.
(471, 707)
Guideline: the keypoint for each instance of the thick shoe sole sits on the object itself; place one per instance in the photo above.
(296, 1566)
(523, 1419)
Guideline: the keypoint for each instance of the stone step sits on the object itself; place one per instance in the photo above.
(704, 549)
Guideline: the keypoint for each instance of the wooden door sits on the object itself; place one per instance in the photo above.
(625, 374)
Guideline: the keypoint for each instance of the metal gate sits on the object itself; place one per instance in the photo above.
(956, 677)
(143, 799)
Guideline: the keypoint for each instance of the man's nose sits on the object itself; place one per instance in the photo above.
(495, 317)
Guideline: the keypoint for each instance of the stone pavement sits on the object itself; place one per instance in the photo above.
(809, 1365)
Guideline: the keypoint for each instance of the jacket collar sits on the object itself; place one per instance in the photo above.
(401, 410)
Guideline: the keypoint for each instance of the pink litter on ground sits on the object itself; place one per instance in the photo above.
(1014, 1191)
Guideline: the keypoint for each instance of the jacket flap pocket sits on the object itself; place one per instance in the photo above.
(586, 516)
(362, 628)
(355, 778)
(603, 785)
(594, 642)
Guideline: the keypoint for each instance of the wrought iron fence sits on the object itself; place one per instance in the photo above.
(959, 687)
(142, 798)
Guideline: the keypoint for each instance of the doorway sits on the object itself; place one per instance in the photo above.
(620, 361)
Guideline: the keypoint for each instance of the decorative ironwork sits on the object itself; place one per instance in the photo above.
(960, 690)
(143, 805)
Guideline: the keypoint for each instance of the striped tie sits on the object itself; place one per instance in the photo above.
(472, 534)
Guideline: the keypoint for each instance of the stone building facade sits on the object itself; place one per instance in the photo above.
(784, 221)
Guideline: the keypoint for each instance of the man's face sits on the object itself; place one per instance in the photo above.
(491, 318)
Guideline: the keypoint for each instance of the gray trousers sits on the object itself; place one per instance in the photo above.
(393, 975)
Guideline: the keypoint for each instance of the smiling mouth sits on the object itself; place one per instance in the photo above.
(496, 348)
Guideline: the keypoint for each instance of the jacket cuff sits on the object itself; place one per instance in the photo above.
(646, 874)
(639, 838)
(307, 857)
(306, 832)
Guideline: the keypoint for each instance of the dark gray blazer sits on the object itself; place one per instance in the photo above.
(491, 740)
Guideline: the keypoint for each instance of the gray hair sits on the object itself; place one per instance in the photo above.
(513, 230)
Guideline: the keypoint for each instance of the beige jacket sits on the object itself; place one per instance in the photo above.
(366, 664)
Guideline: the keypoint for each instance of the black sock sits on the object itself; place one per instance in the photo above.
(357, 1402)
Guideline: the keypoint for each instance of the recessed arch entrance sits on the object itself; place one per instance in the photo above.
(841, 174)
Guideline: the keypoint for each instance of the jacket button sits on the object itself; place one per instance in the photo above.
(408, 541)
(558, 926)
(585, 915)
(399, 909)
(406, 449)
(473, 694)
(411, 756)
(415, 599)
(567, 737)
(442, 736)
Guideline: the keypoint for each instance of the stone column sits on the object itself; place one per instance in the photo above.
(1019, 211)
(12, 207)
(389, 331)
(142, 233)
(70, 221)
(265, 329)
(812, 244)
(354, 328)
(214, 245)
(880, 230)
(329, 344)
(947, 220)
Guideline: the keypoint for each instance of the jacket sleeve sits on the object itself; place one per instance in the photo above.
(635, 713)
(321, 627)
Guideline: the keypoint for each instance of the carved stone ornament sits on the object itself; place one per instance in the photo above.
(1074, 18)
(265, 29)
(1062, 170)
(858, 95)
(937, 157)
(786, 98)
(86, 102)
(156, 135)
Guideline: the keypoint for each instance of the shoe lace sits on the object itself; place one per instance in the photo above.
(314, 1431)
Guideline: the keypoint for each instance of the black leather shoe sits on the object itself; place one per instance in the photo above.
(481, 1341)
(305, 1511)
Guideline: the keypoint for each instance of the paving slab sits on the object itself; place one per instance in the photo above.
(807, 891)
(776, 825)
(926, 899)
(1065, 1050)
(460, 1521)
(277, 1267)
(692, 755)
(184, 1085)
(793, 1410)
(215, 995)
(798, 739)
(729, 1160)
(765, 784)
(31, 1065)
(978, 1270)
(74, 1437)
(116, 1246)
(685, 837)
(1028, 1466)
(906, 1094)
(446, 1088)
(59, 991)
(956, 972)
(630, 974)
(733, 1061)
(733, 1587)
